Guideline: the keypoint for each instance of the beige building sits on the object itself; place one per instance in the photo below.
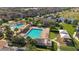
(64, 38)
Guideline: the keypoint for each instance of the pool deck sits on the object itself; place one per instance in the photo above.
(23, 27)
(45, 33)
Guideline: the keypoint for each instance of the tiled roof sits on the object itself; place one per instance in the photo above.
(3, 43)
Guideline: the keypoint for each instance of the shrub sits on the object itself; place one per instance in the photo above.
(54, 46)
(19, 41)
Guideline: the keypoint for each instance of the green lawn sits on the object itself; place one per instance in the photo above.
(69, 28)
(52, 35)
(67, 48)
(76, 43)
(53, 32)
(55, 46)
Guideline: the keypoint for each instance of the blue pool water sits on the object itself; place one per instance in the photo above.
(34, 33)
(19, 25)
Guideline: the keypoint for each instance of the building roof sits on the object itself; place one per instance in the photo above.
(43, 42)
(13, 49)
(64, 34)
(61, 18)
(1, 30)
(7, 49)
(3, 43)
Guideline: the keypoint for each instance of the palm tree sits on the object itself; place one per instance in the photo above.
(1, 22)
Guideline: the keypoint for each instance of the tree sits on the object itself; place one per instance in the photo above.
(57, 24)
(54, 46)
(1, 35)
(19, 41)
(8, 33)
(7, 28)
(66, 21)
(75, 22)
(29, 38)
(61, 27)
(5, 21)
(30, 43)
(58, 15)
(34, 23)
(69, 22)
(1, 22)
(16, 29)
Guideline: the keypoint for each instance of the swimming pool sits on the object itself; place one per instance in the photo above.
(19, 25)
(34, 33)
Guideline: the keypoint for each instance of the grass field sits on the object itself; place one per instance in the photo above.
(52, 35)
(69, 28)
(76, 43)
(67, 48)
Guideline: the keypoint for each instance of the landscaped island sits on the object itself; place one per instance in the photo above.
(39, 29)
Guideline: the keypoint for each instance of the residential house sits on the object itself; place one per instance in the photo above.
(64, 38)
(43, 42)
(64, 34)
(71, 20)
(61, 19)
